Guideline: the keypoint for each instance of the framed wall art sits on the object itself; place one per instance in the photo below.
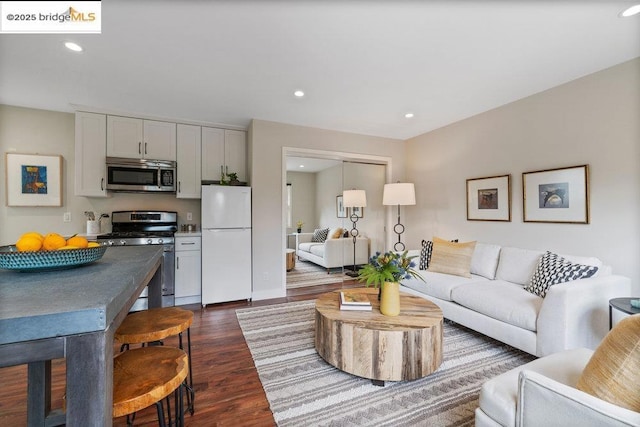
(341, 211)
(33, 180)
(556, 195)
(489, 199)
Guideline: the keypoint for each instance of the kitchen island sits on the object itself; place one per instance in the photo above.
(73, 314)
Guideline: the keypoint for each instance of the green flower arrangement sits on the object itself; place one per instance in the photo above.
(388, 267)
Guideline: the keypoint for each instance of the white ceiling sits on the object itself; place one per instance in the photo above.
(308, 164)
(362, 64)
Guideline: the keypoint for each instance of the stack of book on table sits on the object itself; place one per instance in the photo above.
(354, 301)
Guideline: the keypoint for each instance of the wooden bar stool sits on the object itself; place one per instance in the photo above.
(145, 376)
(154, 325)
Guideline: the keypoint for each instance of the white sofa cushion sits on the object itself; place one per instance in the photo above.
(306, 246)
(439, 285)
(484, 261)
(500, 300)
(317, 250)
(517, 265)
(498, 396)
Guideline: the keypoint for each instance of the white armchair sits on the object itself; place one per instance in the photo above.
(545, 392)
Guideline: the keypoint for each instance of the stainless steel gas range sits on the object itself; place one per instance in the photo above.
(135, 228)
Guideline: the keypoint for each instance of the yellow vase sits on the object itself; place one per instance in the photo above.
(390, 299)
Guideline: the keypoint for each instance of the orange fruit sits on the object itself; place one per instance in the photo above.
(28, 243)
(93, 245)
(77, 241)
(33, 234)
(53, 241)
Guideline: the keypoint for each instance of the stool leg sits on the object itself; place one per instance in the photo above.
(160, 410)
(168, 399)
(191, 395)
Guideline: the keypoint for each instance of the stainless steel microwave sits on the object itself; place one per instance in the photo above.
(141, 175)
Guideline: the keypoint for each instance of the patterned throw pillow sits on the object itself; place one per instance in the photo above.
(553, 269)
(425, 254)
(320, 235)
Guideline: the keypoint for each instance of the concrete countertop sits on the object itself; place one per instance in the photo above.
(187, 233)
(37, 305)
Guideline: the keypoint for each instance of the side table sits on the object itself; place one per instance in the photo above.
(623, 305)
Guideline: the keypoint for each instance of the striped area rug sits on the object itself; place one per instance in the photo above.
(304, 390)
(306, 273)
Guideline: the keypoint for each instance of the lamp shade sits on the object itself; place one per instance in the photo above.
(354, 199)
(400, 193)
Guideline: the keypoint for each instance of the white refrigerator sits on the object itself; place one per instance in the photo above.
(226, 243)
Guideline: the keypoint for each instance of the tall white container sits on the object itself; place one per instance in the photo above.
(226, 243)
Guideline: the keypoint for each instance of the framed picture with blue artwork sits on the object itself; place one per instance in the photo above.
(556, 195)
(33, 179)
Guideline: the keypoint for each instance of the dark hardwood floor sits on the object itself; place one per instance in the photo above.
(228, 390)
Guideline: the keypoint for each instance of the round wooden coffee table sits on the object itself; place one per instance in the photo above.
(371, 345)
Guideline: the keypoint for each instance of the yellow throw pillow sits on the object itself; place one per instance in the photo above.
(337, 233)
(613, 372)
(451, 257)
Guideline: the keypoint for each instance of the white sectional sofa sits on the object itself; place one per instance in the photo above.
(493, 300)
(333, 253)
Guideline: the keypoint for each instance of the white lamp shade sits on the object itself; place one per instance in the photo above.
(400, 193)
(354, 199)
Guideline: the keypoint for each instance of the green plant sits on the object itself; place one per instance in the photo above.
(232, 176)
(388, 267)
(299, 224)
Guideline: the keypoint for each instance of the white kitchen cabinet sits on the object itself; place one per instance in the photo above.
(137, 138)
(223, 151)
(189, 165)
(188, 271)
(90, 155)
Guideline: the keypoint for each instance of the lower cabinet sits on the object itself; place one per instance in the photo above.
(188, 270)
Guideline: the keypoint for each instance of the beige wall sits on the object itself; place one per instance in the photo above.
(267, 141)
(594, 120)
(26, 130)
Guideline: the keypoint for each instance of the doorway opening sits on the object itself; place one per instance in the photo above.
(313, 185)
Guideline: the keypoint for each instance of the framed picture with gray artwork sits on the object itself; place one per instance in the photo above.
(556, 195)
(489, 199)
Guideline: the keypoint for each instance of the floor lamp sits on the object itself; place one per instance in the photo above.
(401, 194)
(354, 199)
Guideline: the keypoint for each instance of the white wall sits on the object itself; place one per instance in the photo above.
(303, 208)
(26, 130)
(594, 120)
(329, 185)
(267, 141)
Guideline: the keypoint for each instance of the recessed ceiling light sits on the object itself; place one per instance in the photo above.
(301, 166)
(408, 115)
(633, 10)
(73, 46)
(299, 93)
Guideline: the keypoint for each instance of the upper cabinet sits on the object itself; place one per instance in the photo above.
(90, 153)
(137, 138)
(188, 155)
(223, 151)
